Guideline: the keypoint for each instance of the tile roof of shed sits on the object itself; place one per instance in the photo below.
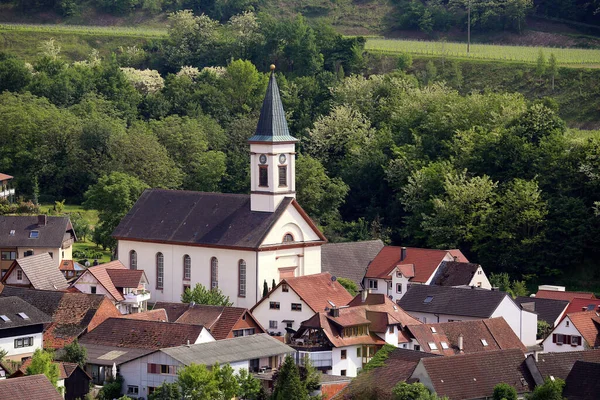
(107, 355)
(558, 295)
(197, 218)
(452, 273)
(548, 310)
(582, 383)
(31, 387)
(51, 235)
(478, 303)
(560, 364)
(349, 259)
(11, 307)
(132, 333)
(474, 376)
(42, 272)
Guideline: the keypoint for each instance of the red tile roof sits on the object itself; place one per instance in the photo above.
(380, 302)
(425, 262)
(458, 255)
(588, 324)
(65, 369)
(154, 315)
(556, 295)
(578, 305)
(126, 278)
(115, 275)
(67, 265)
(4, 177)
(31, 387)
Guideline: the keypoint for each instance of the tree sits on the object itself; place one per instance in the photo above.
(14, 75)
(551, 390)
(197, 382)
(503, 391)
(265, 289)
(288, 385)
(228, 383)
(249, 386)
(412, 391)
(201, 295)
(113, 196)
(543, 329)
(379, 358)
(349, 285)
(553, 68)
(273, 284)
(75, 353)
(42, 363)
(541, 64)
(310, 375)
(430, 73)
(166, 391)
(404, 61)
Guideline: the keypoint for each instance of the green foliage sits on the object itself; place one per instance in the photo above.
(503, 391)
(543, 329)
(42, 363)
(75, 353)
(288, 385)
(551, 390)
(201, 295)
(379, 358)
(250, 387)
(413, 391)
(541, 64)
(197, 382)
(514, 288)
(349, 285)
(265, 289)
(111, 389)
(166, 391)
(404, 61)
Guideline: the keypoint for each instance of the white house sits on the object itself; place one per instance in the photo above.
(231, 241)
(141, 376)
(21, 328)
(577, 331)
(125, 288)
(297, 299)
(435, 304)
(395, 269)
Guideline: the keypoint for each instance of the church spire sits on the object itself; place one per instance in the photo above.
(272, 125)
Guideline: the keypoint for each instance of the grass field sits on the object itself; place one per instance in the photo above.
(569, 57)
(142, 32)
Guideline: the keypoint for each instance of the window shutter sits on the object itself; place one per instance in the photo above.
(554, 338)
(567, 339)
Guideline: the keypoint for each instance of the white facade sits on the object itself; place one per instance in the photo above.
(133, 301)
(268, 316)
(480, 280)
(267, 198)
(351, 365)
(17, 353)
(57, 253)
(565, 328)
(13, 278)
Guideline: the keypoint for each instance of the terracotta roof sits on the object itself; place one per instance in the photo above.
(179, 216)
(425, 261)
(67, 265)
(560, 364)
(577, 305)
(4, 177)
(380, 302)
(71, 313)
(41, 271)
(478, 303)
(333, 332)
(350, 259)
(548, 310)
(51, 235)
(65, 369)
(407, 270)
(31, 387)
(474, 376)
(453, 273)
(173, 310)
(114, 275)
(556, 295)
(18, 313)
(158, 314)
(126, 278)
(318, 290)
(588, 324)
(132, 333)
(582, 383)
(458, 255)
(495, 331)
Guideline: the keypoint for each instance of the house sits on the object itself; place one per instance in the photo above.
(395, 268)
(71, 269)
(297, 299)
(559, 365)
(577, 331)
(349, 259)
(31, 387)
(582, 382)
(434, 304)
(559, 293)
(474, 376)
(72, 314)
(222, 322)
(125, 288)
(397, 367)
(21, 328)
(73, 380)
(234, 242)
(24, 236)
(35, 272)
(118, 340)
(343, 339)
(6, 190)
(253, 353)
(548, 310)
(450, 338)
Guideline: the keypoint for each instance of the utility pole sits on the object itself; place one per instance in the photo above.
(469, 28)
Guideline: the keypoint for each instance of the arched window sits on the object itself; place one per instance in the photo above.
(242, 278)
(132, 259)
(160, 270)
(214, 273)
(187, 267)
(288, 238)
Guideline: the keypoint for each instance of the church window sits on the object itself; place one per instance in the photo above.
(242, 277)
(282, 175)
(160, 270)
(263, 175)
(187, 267)
(288, 238)
(132, 259)
(214, 273)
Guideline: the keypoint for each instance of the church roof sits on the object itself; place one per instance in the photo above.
(272, 125)
(197, 218)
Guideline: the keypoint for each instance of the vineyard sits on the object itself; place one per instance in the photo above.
(85, 30)
(571, 57)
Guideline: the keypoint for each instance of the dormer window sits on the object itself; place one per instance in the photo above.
(12, 233)
(34, 234)
(398, 274)
(288, 238)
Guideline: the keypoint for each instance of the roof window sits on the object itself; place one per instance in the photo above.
(12, 232)
(444, 345)
(23, 315)
(34, 234)
(428, 299)
(432, 346)
(4, 318)
(484, 342)
(433, 329)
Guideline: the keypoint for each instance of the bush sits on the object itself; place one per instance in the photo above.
(503, 391)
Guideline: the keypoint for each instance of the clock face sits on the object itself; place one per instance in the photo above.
(262, 158)
(282, 159)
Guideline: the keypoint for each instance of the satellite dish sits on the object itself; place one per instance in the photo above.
(333, 278)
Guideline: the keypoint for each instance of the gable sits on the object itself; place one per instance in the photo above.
(293, 220)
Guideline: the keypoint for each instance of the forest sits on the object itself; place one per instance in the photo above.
(401, 157)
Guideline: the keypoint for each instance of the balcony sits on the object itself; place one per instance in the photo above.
(319, 359)
(136, 297)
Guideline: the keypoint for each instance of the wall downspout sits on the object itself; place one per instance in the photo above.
(257, 281)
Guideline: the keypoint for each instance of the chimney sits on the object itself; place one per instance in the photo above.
(402, 253)
(188, 343)
(364, 294)
(460, 343)
(583, 308)
(536, 355)
(42, 220)
(334, 312)
(455, 258)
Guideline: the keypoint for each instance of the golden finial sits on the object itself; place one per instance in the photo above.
(272, 67)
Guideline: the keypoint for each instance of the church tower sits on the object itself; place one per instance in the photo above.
(272, 154)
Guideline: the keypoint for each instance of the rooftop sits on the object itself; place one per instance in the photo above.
(107, 355)
(16, 313)
(560, 364)
(31, 387)
(350, 259)
(114, 276)
(41, 270)
(582, 383)
(452, 273)
(578, 304)
(588, 324)
(15, 231)
(561, 295)
(548, 310)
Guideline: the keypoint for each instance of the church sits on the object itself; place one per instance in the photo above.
(234, 242)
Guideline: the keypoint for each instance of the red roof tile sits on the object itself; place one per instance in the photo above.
(556, 295)
(458, 255)
(31, 387)
(220, 321)
(318, 290)
(4, 177)
(425, 262)
(153, 315)
(578, 305)
(67, 265)
(588, 324)
(126, 278)
(115, 275)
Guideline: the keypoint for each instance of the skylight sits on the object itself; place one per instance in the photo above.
(5, 318)
(428, 299)
(34, 234)
(433, 329)
(432, 346)
(484, 342)
(12, 232)
(23, 315)
(444, 345)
